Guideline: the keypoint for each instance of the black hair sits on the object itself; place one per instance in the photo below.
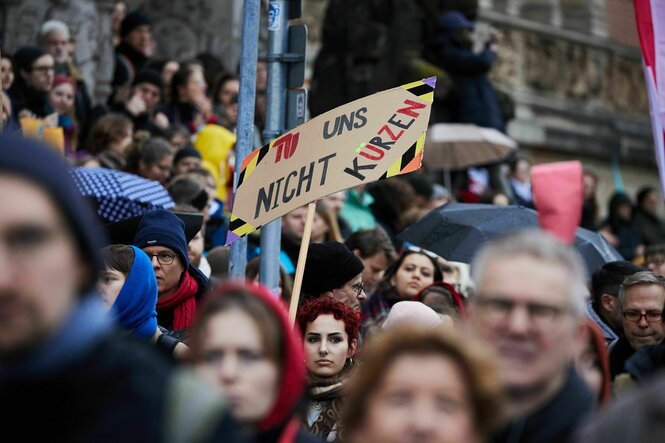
(180, 78)
(642, 194)
(370, 242)
(608, 279)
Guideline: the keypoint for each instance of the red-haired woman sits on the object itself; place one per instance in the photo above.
(242, 341)
(331, 330)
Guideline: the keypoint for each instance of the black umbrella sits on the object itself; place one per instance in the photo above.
(124, 231)
(456, 231)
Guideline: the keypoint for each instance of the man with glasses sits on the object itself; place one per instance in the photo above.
(332, 270)
(642, 296)
(36, 72)
(180, 284)
(61, 360)
(529, 306)
(54, 38)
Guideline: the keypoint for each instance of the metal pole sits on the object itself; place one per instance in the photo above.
(275, 125)
(245, 129)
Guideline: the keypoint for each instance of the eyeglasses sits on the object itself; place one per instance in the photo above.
(498, 310)
(430, 254)
(358, 288)
(164, 258)
(649, 316)
(43, 69)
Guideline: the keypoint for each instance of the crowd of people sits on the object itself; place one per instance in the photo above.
(132, 330)
(135, 340)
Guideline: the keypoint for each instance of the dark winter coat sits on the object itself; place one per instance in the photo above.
(620, 352)
(128, 61)
(24, 97)
(646, 362)
(120, 390)
(556, 421)
(475, 99)
(650, 227)
(165, 318)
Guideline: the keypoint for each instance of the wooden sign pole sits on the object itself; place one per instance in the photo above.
(302, 257)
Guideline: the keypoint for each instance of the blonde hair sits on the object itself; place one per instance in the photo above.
(471, 358)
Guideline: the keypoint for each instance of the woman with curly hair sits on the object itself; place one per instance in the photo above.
(330, 329)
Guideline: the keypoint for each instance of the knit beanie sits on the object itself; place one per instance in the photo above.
(132, 21)
(26, 56)
(329, 266)
(160, 227)
(148, 76)
(187, 151)
(42, 166)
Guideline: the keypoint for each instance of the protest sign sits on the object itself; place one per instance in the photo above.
(372, 138)
(559, 212)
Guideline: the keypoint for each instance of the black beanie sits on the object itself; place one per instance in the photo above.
(187, 151)
(329, 266)
(26, 56)
(43, 167)
(160, 227)
(148, 76)
(132, 21)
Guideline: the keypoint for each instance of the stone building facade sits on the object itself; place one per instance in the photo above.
(574, 69)
(182, 29)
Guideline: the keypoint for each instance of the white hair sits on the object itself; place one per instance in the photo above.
(540, 246)
(54, 26)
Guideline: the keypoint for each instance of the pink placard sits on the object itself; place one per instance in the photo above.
(557, 192)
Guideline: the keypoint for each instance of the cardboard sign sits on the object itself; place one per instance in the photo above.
(372, 138)
(52, 136)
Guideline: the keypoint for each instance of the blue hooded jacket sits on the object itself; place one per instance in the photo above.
(134, 309)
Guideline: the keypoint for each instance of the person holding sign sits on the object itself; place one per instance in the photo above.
(334, 271)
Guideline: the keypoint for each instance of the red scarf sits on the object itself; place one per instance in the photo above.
(181, 302)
